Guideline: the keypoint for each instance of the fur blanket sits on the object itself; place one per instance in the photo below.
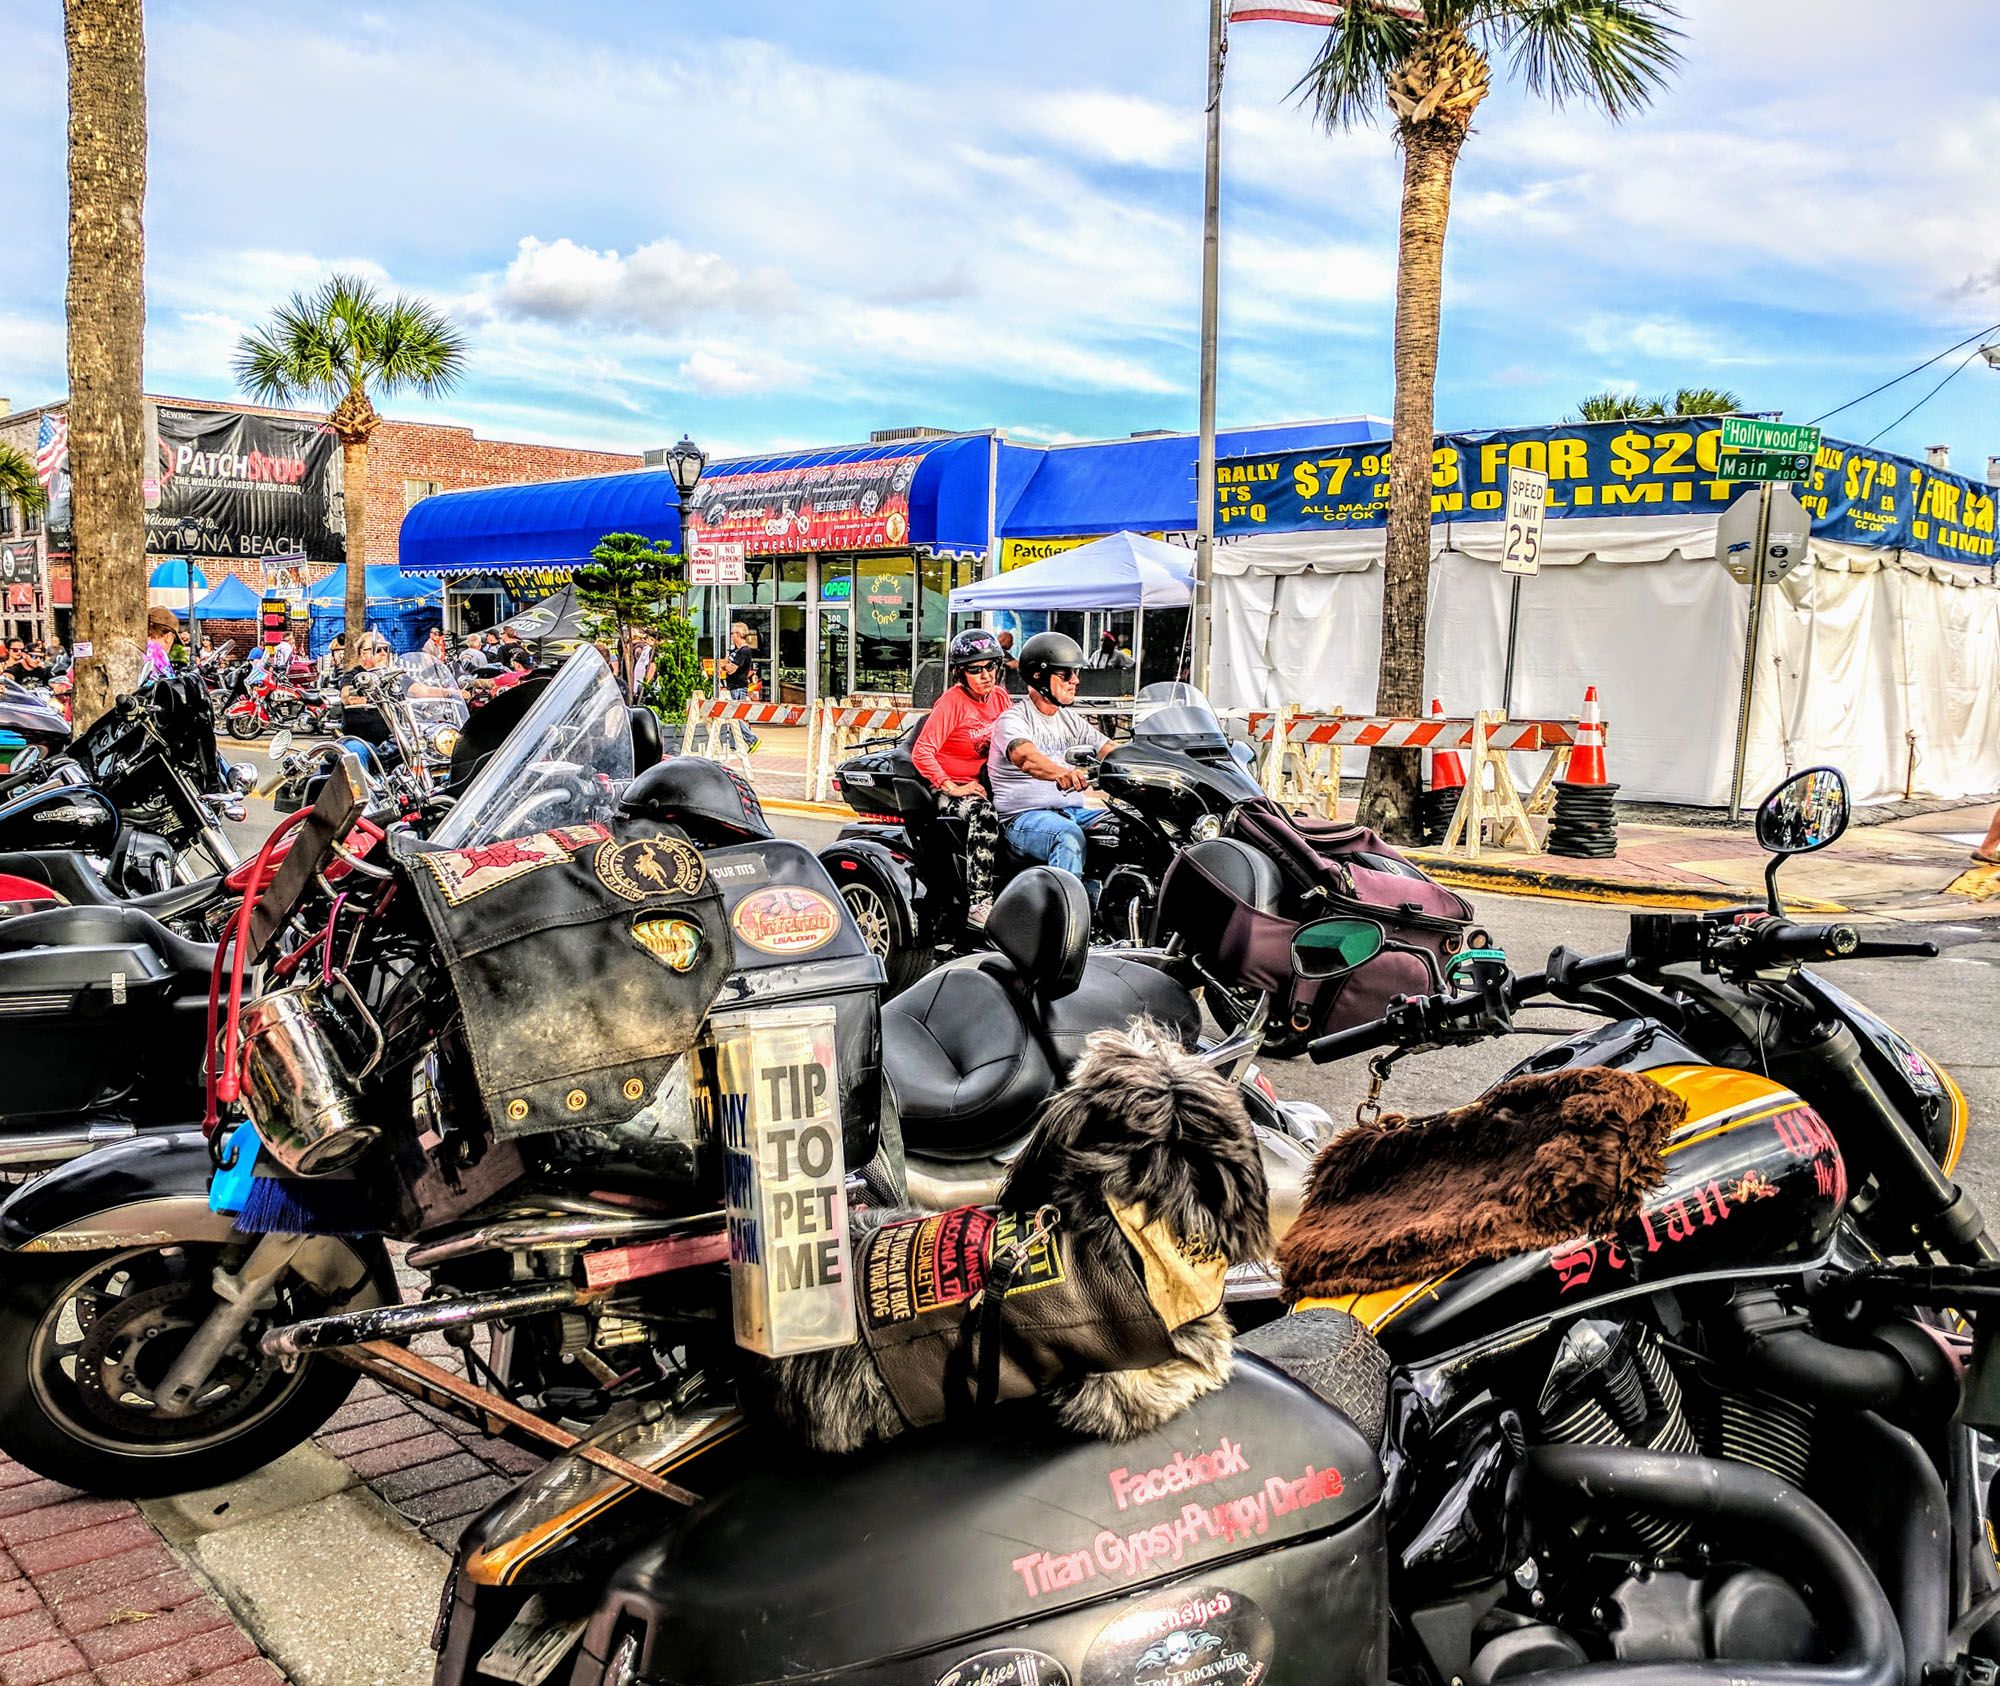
(1534, 1161)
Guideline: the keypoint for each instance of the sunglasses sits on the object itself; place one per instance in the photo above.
(982, 667)
(1068, 673)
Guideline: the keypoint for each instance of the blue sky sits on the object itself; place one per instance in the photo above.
(782, 223)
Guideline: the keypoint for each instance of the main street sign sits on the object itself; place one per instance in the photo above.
(1777, 439)
(1763, 465)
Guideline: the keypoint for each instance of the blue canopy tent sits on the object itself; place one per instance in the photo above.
(232, 600)
(175, 584)
(402, 609)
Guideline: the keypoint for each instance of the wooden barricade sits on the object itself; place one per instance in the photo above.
(837, 728)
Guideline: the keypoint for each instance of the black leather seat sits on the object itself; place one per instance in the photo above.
(102, 927)
(72, 877)
(1116, 989)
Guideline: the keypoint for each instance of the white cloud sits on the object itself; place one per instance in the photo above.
(731, 374)
(1119, 128)
(661, 285)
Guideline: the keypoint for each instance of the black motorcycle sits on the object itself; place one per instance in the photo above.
(1717, 1444)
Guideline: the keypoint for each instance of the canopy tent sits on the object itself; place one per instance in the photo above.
(232, 600)
(174, 584)
(553, 623)
(401, 608)
(1123, 571)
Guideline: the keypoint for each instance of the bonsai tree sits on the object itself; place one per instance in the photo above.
(337, 347)
(634, 584)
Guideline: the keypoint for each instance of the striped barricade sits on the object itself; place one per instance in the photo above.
(720, 730)
(836, 731)
(1301, 750)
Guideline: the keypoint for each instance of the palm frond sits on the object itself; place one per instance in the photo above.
(1347, 78)
(1619, 406)
(1614, 53)
(415, 346)
(347, 338)
(1706, 401)
(19, 484)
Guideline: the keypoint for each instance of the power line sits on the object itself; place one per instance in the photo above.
(1906, 374)
(1928, 396)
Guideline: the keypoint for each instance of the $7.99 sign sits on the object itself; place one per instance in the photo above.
(1527, 504)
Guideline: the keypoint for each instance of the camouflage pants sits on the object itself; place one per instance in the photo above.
(982, 839)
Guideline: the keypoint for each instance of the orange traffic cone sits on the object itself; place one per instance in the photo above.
(1436, 806)
(1586, 761)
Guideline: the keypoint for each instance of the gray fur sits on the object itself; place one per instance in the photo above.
(1142, 1123)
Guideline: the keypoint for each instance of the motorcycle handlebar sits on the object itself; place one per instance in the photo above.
(1779, 940)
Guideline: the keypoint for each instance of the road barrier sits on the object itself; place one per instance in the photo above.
(720, 731)
(836, 730)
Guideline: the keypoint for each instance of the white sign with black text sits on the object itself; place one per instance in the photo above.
(1527, 504)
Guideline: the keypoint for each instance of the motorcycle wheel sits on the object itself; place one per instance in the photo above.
(74, 1325)
(245, 728)
(902, 963)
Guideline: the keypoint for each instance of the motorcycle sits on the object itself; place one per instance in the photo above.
(1176, 790)
(1733, 1440)
(559, 1189)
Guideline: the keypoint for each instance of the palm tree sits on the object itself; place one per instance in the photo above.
(1629, 406)
(19, 484)
(337, 346)
(1430, 73)
(106, 43)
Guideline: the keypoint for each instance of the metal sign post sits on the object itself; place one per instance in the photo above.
(1521, 554)
(1203, 608)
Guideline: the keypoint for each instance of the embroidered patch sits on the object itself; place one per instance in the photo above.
(916, 1267)
(675, 943)
(784, 920)
(462, 874)
(653, 866)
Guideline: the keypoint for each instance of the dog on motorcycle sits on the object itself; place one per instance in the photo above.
(1096, 1281)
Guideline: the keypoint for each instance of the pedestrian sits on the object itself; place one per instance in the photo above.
(1010, 668)
(435, 648)
(739, 668)
(1989, 850)
(161, 626)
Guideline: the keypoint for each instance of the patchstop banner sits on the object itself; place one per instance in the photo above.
(826, 506)
(246, 486)
(1610, 468)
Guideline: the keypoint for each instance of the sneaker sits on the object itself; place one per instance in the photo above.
(978, 913)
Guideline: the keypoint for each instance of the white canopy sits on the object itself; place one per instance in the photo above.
(1122, 571)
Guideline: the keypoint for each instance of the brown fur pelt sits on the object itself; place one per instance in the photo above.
(1534, 1161)
(1141, 1123)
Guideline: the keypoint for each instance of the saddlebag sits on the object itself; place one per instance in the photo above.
(1326, 870)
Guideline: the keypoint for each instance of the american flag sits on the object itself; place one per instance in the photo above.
(51, 445)
(1318, 12)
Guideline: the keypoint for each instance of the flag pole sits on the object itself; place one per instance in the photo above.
(1211, 255)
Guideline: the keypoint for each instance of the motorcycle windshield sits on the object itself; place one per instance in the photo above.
(431, 698)
(563, 764)
(1176, 713)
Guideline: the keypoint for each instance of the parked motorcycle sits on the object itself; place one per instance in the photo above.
(1178, 782)
(1716, 1445)
(557, 1186)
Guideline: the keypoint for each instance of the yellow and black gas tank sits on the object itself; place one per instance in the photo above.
(1755, 1182)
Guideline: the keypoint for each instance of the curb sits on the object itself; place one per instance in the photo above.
(1979, 882)
(808, 810)
(1555, 884)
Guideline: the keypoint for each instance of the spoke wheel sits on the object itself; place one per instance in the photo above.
(873, 917)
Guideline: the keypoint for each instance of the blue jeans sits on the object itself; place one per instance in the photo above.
(1054, 835)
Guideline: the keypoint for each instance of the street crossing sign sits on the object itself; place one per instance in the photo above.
(1761, 450)
(1763, 465)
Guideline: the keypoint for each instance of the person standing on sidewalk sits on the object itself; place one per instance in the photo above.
(1989, 850)
(950, 751)
(738, 668)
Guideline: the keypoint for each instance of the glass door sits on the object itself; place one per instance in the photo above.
(836, 652)
(790, 655)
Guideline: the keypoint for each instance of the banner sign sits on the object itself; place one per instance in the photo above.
(784, 511)
(17, 563)
(1609, 468)
(246, 486)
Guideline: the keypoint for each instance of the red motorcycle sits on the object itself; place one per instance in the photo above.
(257, 706)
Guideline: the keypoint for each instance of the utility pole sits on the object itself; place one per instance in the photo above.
(1211, 276)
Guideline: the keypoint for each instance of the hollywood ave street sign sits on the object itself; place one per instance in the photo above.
(1761, 450)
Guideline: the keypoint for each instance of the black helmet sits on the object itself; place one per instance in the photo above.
(704, 798)
(974, 644)
(1045, 652)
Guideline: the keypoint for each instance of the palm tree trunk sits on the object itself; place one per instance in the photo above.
(1430, 151)
(354, 479)
(106, 41)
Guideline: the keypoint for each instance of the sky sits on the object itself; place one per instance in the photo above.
(780, 222)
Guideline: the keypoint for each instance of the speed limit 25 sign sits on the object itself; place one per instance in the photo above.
(1527, 503)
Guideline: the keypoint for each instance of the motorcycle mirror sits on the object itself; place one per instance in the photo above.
(281, 743)
(1331, 948)
(1807, 812)
(243, 775)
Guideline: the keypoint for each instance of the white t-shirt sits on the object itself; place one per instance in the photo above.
(1015, 792)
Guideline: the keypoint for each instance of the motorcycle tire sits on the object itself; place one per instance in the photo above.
(246, 728)
(83, 1437)
(903, 961)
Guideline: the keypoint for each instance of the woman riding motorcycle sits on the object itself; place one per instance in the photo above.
(950, 751)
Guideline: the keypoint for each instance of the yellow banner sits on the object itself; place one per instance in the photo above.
(1018, 553)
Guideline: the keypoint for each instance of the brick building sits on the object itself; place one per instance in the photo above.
(407, 461)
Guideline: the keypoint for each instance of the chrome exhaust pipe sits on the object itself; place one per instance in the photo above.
(52, 1147)
(520, 1235)
(399, 1322)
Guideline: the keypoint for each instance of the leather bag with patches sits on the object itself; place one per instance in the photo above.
(584, 963)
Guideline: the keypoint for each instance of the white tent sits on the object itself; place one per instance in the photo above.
(1123, 571)
(1880, 662)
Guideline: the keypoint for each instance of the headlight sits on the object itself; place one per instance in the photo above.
(444, 740)
(1207, 828)
(565, 1494)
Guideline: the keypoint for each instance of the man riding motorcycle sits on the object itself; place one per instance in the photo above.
(950, 751)
(1028, 757)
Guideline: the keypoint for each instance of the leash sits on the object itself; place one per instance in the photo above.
(1006, 1263)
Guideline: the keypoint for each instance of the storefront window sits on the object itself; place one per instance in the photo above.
(884, 618)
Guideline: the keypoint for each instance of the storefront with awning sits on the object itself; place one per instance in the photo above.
(500, 549)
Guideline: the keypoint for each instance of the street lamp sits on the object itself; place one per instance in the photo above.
(685, 463)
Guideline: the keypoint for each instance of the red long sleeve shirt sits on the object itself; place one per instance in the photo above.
(952, 744)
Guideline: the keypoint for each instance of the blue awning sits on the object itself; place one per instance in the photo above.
(553, 524)
(173, 576)
(232, 600)
(1147, 485)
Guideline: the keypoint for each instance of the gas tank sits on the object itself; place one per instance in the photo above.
(1755, 1181)
(60, 816)
(1240, 1545)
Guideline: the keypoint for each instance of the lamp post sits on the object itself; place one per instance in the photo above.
(685, 463)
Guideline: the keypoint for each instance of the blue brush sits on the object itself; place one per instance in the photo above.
(308, 1206)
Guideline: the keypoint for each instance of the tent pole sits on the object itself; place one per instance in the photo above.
(1138, 648)
(1211, 253)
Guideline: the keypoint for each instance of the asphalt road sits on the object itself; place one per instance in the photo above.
(1949, 1007)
